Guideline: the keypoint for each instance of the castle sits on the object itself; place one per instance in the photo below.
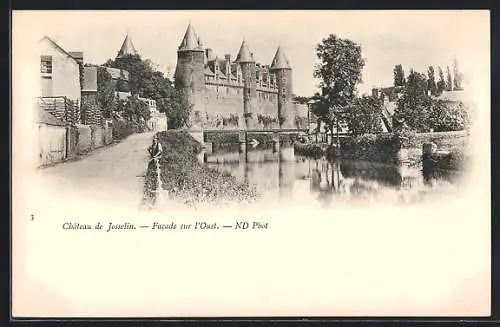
(254, 95)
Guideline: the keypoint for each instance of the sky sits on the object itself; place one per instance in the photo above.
(414, 39)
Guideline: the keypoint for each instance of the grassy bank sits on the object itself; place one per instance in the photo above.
(185, 178)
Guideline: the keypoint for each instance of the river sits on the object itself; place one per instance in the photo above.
(284, 175)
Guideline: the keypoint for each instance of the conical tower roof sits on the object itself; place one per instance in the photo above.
(280, 61)
(190, 41)
(244, 55)
(127, 48)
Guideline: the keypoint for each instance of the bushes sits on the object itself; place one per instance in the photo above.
(187, 179)
(382, 147)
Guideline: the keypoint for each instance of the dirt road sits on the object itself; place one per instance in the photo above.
(112, 174)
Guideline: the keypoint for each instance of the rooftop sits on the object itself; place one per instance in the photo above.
(244, 55)
(280, 61)
(190, 41)
(127, 48)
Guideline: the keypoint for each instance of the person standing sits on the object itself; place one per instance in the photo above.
(153, 174)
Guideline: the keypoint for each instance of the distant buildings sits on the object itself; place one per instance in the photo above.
(389, 96)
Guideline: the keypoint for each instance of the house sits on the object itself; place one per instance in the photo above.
(389, 96)
(119, 79)
(59, 91)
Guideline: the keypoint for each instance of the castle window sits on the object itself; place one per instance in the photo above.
(46, 66)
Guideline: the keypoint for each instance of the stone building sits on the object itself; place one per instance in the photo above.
(255, 94)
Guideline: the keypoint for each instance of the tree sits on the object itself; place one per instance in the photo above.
(457, 76)
(399, 76)
(105, 92)
(364, 116)
(140, 73)
(340, 71)
(146, 82)
(449, 116)
(414, 105)
(449, 82)
(431, 81)
(419, 112)
(441, 84)
(176, 107)
(133, 109)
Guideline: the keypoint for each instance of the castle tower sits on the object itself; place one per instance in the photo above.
(127, 48)
(190, 69)
(283, 71)
(247, 63)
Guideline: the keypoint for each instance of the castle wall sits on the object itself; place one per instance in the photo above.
(223, 100)
(218, 101)
(190, 73)
(267, 103)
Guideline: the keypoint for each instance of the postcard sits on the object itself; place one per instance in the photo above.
(281, 163)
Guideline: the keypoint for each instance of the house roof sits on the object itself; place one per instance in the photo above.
(390, 107)
(280, 61)
(127, 48)
(58, 47)
(116, 73)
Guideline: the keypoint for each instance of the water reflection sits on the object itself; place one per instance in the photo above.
(284, 174)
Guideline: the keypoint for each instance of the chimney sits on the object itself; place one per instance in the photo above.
(209, 53)
(77, 55)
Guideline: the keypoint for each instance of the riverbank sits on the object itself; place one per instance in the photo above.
(450, 149)
(186, 179)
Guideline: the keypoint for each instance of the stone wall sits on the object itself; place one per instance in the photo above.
(97, 136)
(108, 132)
(72, 146)
(444, 140)
(84, 139)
